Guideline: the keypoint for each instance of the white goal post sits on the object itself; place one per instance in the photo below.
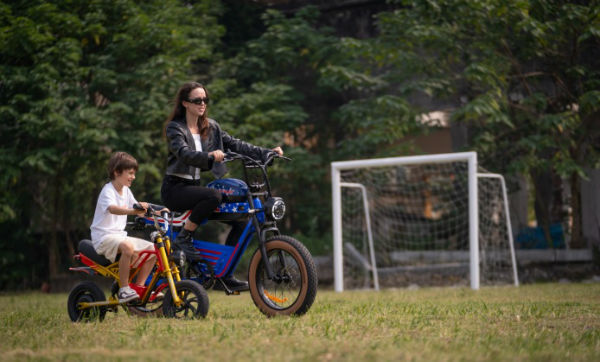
(386, 183)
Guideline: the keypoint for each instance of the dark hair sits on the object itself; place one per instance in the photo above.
(120, 161)
(183, 94)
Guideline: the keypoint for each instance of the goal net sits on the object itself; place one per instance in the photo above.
(420, 220)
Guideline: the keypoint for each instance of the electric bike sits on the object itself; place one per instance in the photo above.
(166, 293)
(282, 276)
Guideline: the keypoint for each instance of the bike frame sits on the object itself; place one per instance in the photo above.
(224, 259)
(164, 269)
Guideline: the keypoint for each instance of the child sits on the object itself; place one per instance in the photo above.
(108, 228)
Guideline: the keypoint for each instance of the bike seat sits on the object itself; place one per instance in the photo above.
(86, 248)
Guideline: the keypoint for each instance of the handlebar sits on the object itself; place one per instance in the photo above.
(152, 212)
(232, 156)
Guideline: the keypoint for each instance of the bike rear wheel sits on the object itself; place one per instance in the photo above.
(194, 301)
(294, 287)
(86, 292)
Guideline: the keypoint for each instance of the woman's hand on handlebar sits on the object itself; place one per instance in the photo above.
(218, 155)
(278, 150)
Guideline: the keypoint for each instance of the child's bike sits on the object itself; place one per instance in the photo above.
(166, 293)
(282, 276)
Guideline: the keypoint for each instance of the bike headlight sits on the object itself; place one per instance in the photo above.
(275, 208)
(154, 235)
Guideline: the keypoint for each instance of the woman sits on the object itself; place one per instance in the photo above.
(196, 143)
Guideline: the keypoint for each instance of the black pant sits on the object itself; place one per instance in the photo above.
(180, 195)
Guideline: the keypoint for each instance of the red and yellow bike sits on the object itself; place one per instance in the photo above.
(166, 293)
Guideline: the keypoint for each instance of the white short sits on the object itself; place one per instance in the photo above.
(109, 247)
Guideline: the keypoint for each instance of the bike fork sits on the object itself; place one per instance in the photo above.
(263, 248)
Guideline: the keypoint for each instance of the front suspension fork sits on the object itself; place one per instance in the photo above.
(169, 273)
(263, 249)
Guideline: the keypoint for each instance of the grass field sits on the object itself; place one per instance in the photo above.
(549, 322)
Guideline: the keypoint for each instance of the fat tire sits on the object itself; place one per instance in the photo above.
(192, 292)
(307, 269)
(86, 292)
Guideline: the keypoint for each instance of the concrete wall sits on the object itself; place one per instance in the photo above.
(590, 208)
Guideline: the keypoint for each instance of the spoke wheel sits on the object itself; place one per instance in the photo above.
(151, 308)
(294, 287)
(86, 292)
(194, 301)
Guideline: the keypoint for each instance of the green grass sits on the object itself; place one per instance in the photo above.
(544, 322)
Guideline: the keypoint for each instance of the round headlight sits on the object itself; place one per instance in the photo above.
(278, 210)
(275, 208)
(154, 235)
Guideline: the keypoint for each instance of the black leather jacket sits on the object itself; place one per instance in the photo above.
(184, 159)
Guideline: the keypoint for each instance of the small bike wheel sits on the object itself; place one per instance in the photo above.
(86, 292)
(194, 301)
(152, 308)
(294, 286)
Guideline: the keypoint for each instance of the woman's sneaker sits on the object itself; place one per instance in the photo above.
(126, 294)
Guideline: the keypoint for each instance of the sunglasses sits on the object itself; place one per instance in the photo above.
(199, 100)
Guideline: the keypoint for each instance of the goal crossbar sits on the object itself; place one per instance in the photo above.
(337, 184)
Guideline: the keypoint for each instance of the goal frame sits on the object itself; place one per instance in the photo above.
(473, 208)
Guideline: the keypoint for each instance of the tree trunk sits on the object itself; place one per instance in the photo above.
(576, 228)
(542, 182)
(53, 251)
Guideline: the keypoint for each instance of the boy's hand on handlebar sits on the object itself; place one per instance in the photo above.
(218, 155)
(145, 207)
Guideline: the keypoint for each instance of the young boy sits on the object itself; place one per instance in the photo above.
(109, 237)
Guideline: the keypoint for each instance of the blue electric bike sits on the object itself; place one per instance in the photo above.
(282, 276)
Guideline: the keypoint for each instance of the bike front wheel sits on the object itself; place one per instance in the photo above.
(294, 286)
(194, 301)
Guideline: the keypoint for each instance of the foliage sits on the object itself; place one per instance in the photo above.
(300, 85)
(522, 74)
(80, 80)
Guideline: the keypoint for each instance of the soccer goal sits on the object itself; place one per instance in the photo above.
(424, 220)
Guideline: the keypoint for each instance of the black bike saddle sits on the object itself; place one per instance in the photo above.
(86, 248)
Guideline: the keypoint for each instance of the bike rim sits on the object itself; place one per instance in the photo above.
(281, 293)
(87, 313)
(190, 304)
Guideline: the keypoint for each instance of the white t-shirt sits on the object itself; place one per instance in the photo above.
(196, 176)
(106, 223)
(198, 144)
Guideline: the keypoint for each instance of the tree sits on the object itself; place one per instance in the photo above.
(297, 84)
(80, 80)
(522, 74)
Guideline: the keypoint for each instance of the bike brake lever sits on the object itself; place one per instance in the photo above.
(231, 156)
